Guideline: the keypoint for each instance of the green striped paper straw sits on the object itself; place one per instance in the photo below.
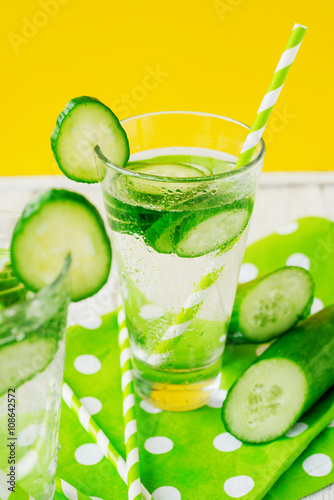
(271, 96)
(89, 424)
(69, 491)
(129, 408)
(173, 334)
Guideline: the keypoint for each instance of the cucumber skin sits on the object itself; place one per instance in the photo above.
(61, 117)
(310, 345)
(236, 335)
(36, 206)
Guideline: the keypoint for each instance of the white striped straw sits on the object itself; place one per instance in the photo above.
(207, 281)
(69, 491)
(129, 408)
(90, 426)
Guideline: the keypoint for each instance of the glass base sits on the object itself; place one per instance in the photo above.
(177, 397)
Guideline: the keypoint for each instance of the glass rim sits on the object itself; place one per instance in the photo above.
(12, 310)
(149, 177)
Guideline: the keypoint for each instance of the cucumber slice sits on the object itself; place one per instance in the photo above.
(208, 165)
(284, 382)
(15, 360)
(161, 235)
(209, 230)
(85, 123)
(53, 225)
(167, 170)
(156, 188)
(269, 306)
(139, 217)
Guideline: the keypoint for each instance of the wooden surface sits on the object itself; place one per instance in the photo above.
(281, 198)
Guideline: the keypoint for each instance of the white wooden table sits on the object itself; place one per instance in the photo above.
(282, 197)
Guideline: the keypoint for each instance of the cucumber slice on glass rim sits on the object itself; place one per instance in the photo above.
(53, 225)
(84, 123)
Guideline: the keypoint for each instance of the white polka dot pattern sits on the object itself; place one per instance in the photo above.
(299, 260)
(158, 445)
(166, 493)
(88, 454)
(87, 364)
(238, 486)
(248, 272)
(226, 442)
(296, 429)
(318, 465)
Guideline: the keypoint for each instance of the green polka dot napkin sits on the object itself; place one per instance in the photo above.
(190, 456)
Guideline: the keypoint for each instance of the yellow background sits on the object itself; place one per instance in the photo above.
(147, 55)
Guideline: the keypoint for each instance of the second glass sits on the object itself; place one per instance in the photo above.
(179, 243)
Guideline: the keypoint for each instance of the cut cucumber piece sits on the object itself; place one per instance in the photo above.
(15, 360)
(55, 224)
(209, 230)
(85, 123)
(269, 306)
(161, 235)
(167, 170)
(139, 217)
(208, 165)
(157, 188)
(284, 382)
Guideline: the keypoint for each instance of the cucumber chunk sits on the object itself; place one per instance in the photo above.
(284, 382)
(55, 224)
(15, 360)
(209, 230)
(84, 123)
(269, 306)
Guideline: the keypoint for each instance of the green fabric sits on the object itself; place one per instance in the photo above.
(194, 467)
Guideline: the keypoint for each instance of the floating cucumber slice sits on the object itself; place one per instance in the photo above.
(16, 360)
(269, 306)
(161, 235)
(209, 230)
(172, 170)
(53, 225)
(167, 170)
(139, 217)
(209, 166)
(284, 382)
(85, 123)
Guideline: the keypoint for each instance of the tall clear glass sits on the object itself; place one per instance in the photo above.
(160, 269)
(32, 353)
